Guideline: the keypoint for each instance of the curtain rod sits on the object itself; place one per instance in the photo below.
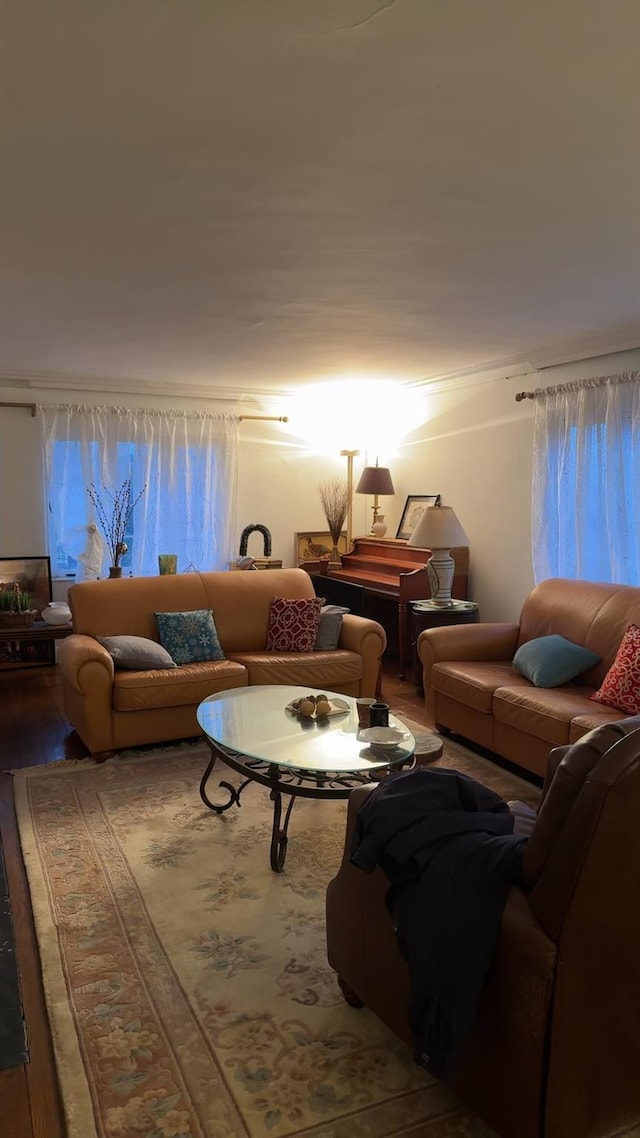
(266, 418)
(28, 406)
(580, 385)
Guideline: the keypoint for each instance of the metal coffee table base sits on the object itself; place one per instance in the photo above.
(280, 780)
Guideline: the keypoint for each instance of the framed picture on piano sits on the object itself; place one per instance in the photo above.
(414, 508)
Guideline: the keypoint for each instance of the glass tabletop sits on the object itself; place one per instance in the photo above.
(255, 722)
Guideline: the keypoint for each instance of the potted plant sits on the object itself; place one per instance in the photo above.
(115, 522)
(16, 607)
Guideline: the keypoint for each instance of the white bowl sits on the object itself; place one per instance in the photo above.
(383, 736)
(56, 612)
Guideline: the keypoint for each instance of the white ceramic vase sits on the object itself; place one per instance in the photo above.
(56, 612)
(379, 527)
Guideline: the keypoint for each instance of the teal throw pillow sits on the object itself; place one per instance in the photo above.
(550, 661)
(189, 637)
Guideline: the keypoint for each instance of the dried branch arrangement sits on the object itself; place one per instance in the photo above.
(334, 496)
(114, 524)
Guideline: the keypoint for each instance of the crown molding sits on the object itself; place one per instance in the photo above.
(535, 362)
(488, 371)
(513, 368)
(135, 387)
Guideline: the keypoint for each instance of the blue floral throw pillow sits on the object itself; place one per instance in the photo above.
(189, 637)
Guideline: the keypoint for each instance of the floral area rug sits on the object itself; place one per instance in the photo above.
(187, 984)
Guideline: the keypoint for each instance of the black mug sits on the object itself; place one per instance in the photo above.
(379, 715)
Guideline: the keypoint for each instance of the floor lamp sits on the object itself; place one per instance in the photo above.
(439, 530)
(349, 455)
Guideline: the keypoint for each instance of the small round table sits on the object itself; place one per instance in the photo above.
(425, 614)
(252, 732)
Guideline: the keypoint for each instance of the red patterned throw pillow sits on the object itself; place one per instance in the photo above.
(621, 685)
(293, 625)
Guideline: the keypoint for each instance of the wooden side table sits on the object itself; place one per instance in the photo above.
(39, 632)
(424, 614)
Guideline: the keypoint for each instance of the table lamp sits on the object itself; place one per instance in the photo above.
(439, 530)
(376, 480)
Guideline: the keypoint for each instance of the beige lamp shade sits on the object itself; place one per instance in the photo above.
(438, 528)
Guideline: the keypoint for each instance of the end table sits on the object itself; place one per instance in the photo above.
(424, 614)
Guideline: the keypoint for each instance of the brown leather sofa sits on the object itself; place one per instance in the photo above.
(472, 688)
(555, 1050)
(112, 709)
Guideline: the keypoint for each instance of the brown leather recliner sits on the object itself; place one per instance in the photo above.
(555, 1050)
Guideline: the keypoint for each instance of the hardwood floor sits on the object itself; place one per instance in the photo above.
(34, 730)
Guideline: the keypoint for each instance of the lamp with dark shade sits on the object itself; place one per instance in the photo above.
(376, 480)
(439, 530)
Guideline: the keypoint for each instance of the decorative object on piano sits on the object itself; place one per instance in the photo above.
(414, 508)
(439, 530)
(316, 545)
(334, 496)
(376, 480)
(265, 562)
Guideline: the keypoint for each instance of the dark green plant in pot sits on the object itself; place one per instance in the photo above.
(13, 599)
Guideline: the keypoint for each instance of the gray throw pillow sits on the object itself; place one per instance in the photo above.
(329, 628)
(136, 653)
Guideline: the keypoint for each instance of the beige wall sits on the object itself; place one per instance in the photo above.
(475, 449)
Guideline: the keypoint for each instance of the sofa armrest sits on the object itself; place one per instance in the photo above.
(76, 651)
(468, 642)
(87, 680)
(369, 640)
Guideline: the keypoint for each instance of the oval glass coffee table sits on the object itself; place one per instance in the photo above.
(252, 732)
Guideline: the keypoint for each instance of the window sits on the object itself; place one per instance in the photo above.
(586, 481)
(186, 464)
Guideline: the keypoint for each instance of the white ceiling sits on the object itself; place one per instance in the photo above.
(245, 195)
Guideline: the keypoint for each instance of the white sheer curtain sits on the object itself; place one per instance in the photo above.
(586, 480)
(186, 462)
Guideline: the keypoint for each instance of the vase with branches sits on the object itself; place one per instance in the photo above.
(114, 518)
(334, 496)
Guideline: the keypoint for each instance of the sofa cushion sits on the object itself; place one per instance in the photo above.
(293, 624)
(545, 713)
(550, 661)
(334, 671)
(136, 653)
(329, 629)
(179, 687)
(190, 637)
(473, 682)
(621, 686)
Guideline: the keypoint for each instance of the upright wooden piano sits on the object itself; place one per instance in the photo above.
(393, 574)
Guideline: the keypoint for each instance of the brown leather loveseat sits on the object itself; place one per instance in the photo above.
(555, 1050)
(472, 688)
(112, 709)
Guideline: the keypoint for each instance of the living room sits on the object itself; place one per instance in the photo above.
(354, 226)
